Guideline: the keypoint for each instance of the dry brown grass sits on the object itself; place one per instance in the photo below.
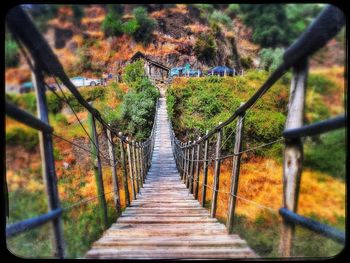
(261, 182)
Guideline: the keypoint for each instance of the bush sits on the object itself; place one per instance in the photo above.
(134, 73)
(137, 111)
(232, 9)
(130, 27)
(11, 53)
(146, 25)
(320, 84)
(118, 92)
(26, 138)
(205, 47)
(327, 154)
(220, 17)
(26, 101)
(271, 58)
(247, 62)
(138, 107)
(54, 104)
(112, 25)
(61, 119)
(269, 23)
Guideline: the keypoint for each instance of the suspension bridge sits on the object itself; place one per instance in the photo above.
(164, 219)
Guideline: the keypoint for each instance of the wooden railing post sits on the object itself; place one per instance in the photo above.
(205, 171)
(196, 179)
(293, 154)
(235, 173)
(125, 176)
(136, 175)
(112, 162)
(138, 168)
(98, 172)
(131, 172)
(187, 157)
(183, 156)
(188, 163)
(142, 163)
(48, 162)
(191, 181)
(216, 174)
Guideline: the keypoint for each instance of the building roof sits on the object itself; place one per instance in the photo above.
(139, 55)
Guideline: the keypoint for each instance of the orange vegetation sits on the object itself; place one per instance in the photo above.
(159, 13)
(261, 182)
(17, 75)
(198, 28)
(179, 8)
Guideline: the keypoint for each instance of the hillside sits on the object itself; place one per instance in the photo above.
(177, 29)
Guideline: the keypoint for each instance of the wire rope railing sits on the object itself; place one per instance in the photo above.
(328, 23)
(135, 156)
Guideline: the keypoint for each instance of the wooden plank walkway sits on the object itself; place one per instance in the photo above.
(165, 221)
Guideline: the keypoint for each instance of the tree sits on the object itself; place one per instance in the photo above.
(112, 24)
(146, 25)
(269, 23)
(11, 52)
(205, 47)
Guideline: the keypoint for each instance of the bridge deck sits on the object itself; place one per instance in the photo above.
(165, 221)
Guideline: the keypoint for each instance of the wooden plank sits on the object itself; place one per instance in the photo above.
(166, 221)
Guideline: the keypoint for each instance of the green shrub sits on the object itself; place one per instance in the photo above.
(320, 84)
(26, 101)
(61, 118)
(54, 103)
(130, 27)
(205, 47)
(138, 107)
(112, 25)
(134, 73)
(26, 138)
(220, 17)
(232, 9)
(271, 58)
(246, 62)
(146, 25)
(326, 153)
(11, 53)
(118, 92)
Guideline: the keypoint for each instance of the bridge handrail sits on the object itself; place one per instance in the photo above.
(138, 153)
(326, 25)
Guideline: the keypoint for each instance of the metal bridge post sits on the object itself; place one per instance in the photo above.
(236, 162)
(196, 181)
(293, 154)
(216, 174)
(113, 164)
(48, 162)
(131, 172)
(125, 177)
(98, 171)
(205, 170)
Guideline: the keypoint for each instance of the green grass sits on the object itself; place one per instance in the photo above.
(326, 153)
(81, 226)
(263, 236)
